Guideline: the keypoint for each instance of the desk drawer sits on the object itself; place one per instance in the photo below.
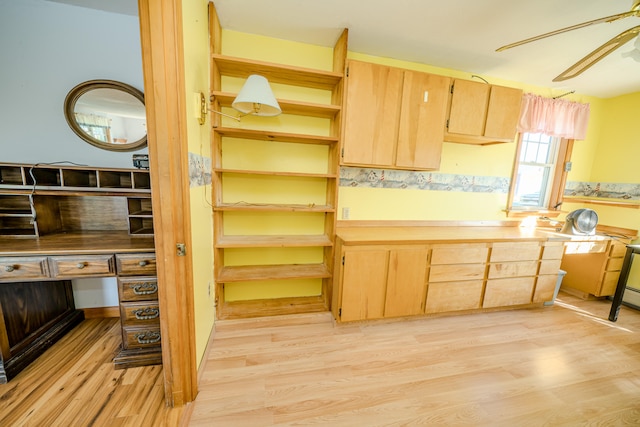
(138, 289)
(136, 264)
(69, 266)
(18, 268)
(140, 337)
(140, 313)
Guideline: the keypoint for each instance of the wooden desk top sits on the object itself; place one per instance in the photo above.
(76, 243)
(447, 234)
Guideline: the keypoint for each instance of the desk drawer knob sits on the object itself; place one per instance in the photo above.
(143, 263)
(148, 337)
(147, 313)
(80, 265)
(146, 288)
(9, 268)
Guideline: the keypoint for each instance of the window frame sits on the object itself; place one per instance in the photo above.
(556, 189)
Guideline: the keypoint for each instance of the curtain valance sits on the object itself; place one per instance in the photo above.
(555, 117)
(92, 120)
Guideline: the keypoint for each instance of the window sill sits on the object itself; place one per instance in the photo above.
(521, 213)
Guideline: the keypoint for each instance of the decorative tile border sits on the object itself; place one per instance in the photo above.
(385, 178)
(604, 190)
(199, 170)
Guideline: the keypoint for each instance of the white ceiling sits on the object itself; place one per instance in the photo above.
(455, 34)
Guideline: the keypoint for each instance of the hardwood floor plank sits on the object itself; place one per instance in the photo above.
(74, 383)
(559, 365)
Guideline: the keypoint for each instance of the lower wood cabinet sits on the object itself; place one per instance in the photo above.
(383, 282)
(375, 281)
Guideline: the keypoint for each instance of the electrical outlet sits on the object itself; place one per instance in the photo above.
(345, 213)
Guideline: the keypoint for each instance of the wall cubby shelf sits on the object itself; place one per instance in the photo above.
(36, 200)
(242, 222)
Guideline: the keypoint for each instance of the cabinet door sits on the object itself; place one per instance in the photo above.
(372, 110)
(468, 110)
(364, 284)
(503, 112)
(422, 120)
(406, 282)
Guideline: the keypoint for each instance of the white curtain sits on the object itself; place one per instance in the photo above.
(92, 120)
(555, 117)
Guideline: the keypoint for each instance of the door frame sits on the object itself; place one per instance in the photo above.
(164, 83)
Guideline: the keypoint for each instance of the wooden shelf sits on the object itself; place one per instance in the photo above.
(271, 307)
(263, 207)
(272, 272)
(262, 135)
(288, 107)
(275, 241)
(615, 203)
(277, 73)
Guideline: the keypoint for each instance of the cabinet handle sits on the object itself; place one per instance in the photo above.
(80, 265)
(9, 268)
(145, 288)
(147, 313)
(143, 263)
(147, 337)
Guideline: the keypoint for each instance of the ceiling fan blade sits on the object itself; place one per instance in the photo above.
(598, 54)
(571, 28)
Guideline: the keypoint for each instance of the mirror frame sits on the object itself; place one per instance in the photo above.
(81, 89)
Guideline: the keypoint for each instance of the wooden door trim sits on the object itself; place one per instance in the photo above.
(163, 67)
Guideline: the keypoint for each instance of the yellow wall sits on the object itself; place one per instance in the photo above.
(610, 120)
(196, 59)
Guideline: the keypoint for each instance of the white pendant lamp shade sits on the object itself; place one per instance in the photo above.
(256, 98)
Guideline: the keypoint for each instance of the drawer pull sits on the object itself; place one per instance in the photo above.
(148, 337)
(146, 288)
(80, 265)
(143, 263)
(147, 313)
(9, 268)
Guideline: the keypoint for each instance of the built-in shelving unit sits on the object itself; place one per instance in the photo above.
(291, 192)
(42, 199)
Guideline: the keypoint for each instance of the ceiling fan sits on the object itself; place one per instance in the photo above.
(599, 52)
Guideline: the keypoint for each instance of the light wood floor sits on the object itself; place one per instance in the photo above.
(74, 384)
(564, 365)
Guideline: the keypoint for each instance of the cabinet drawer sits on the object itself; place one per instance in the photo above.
(140, 337)
(515, 251)
(449, 273)
(140, 313)
(513, 269)
(609, 283)
(553, 251)
(585, 247)
(138, 289)
(545, 287)
(81, 265)
(506, 292)
(18, 268)
(614, 264)
(459, 254)
(550, 267)
(454, 296)
(136, 264)
(617, 250)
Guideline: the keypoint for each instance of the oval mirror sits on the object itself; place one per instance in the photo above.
(107, 114)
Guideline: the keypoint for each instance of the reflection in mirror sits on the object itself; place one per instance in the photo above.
(107, 114)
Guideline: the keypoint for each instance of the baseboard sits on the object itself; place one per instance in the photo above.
(101, 312)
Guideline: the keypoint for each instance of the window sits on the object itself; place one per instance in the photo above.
(539, 173)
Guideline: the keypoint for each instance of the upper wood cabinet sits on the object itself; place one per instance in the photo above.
(394, 118)
(483, 114)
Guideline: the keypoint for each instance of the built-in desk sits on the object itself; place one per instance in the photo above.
(59, 223)
(36, 300)
(397, 271)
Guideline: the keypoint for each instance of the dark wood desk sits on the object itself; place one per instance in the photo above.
(36, 299)
(632, 250)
